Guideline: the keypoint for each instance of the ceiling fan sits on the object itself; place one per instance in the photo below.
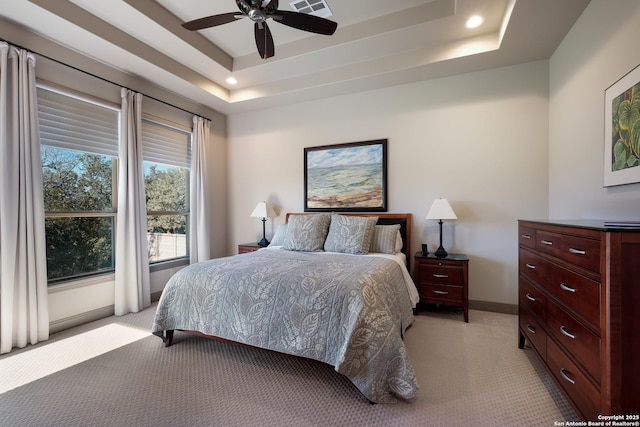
(259, 11)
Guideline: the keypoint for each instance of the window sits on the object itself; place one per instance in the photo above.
(79, 148)
(167, 161)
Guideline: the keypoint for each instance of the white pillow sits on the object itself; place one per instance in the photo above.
(278, 237)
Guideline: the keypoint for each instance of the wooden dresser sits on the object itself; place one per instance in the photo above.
(579, 308)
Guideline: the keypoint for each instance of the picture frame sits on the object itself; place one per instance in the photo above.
(622, 130)
(349, 177)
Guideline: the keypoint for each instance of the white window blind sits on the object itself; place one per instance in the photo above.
(166, 145)
(73, 124)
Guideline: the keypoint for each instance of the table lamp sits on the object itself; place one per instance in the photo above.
(264, 211)
(441, 209)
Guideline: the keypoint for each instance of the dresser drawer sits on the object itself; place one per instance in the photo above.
(534, 267)
(580, 390)
(441, 273)
(441, 294)
(532, 330)
(580, 251)
(532, 298)
(579, 293)
(576, 339)
(527, 237)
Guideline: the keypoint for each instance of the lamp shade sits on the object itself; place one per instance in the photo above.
(441, 209)
(263, 210)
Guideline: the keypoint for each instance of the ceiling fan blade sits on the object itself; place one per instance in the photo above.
(305, 22)
(212, 21)
(270, 6)
(264, 40)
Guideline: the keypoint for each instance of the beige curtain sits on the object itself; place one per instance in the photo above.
(199, 210)
(132, 287)
(24, 313)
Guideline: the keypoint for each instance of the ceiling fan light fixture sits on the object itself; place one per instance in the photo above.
(257, 15)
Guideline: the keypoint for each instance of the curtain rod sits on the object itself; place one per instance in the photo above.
(104, 79)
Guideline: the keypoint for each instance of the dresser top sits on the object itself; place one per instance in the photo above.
(593, 224)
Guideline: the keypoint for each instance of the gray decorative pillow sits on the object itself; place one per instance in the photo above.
(385, 239)
(350, 234)
(399, 242)
(278, 237)
(306, 232)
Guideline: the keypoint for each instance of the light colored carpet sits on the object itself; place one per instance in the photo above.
(470, 375)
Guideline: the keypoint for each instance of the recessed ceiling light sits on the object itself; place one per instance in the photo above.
(474, 22)
(232, 81)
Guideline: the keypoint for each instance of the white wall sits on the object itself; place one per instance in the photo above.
(479, 139)
(600, 49)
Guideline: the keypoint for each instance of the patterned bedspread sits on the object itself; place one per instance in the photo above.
(346, 310)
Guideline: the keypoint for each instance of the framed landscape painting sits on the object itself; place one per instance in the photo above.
(622, 131)
(346, 177)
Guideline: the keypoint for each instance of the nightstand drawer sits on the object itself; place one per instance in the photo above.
(441, 274)
(441, 294)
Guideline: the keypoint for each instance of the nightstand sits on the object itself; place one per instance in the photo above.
(243, 248)
(443, 281)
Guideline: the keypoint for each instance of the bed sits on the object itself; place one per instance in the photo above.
(330, 287)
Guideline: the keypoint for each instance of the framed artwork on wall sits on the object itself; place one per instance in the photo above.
(622, 130)
(348, 177)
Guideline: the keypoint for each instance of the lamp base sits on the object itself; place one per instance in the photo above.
(441, 253)
(264, 242)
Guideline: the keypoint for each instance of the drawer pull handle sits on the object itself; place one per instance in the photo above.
(531, 266)
(546, 242)
(566, 288)
(441, 276)
(531, 329)
(566, 377)
(531, 297)
(441, 292)
(577, 251)
(567, 333)
(525, 236)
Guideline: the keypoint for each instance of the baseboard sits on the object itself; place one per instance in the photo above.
(155, 296)
(496, 307)
(80, 319)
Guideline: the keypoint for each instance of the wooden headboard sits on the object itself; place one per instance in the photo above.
(404, 219)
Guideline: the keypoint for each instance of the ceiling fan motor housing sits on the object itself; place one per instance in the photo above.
(257, 15)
